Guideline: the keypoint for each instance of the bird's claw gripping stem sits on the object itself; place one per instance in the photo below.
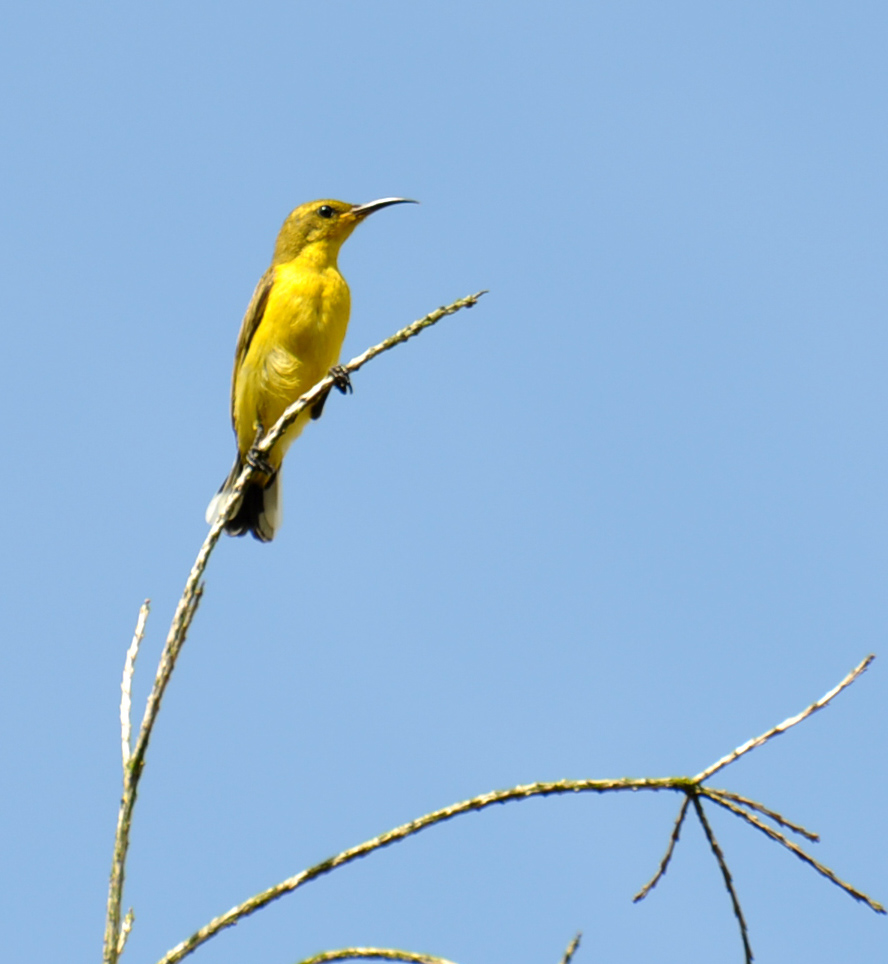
(256, 460)
(341, 379)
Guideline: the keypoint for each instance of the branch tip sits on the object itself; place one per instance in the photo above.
(796, 849)
(572, 948)
(664, 863)
(761, 808)
(126, 684)
(786, 724)
(726, 875)
(125, 929)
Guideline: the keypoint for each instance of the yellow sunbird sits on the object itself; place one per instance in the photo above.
(289, 340)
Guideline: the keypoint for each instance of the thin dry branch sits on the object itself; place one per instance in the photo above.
(726, 874)
(374, 954)
(664, 863)
(794, 848)
(410, 331)
(786, 724)
(524, 792)
(572, 948)
(187, 606)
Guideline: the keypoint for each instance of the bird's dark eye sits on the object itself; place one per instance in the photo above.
(326, 211)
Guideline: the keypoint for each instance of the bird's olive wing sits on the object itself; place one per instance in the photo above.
(252, 319)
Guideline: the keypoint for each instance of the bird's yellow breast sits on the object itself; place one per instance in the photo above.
(295, 344)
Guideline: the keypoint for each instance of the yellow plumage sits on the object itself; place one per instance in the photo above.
(290, 337)
(295, 346)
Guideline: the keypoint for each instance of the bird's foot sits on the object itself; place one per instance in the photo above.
(257, 460)
(341, 379)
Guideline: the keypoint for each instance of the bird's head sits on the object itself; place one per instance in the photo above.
(324, 226)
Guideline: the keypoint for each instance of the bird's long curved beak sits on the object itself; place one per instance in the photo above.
(362, 210)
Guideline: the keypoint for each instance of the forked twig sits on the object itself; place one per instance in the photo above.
(686, 785)
(794, 848)
(664, 863)
(184, 614)
(726, 874)
(786, 724)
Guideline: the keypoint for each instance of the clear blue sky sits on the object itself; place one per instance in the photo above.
(625, 514)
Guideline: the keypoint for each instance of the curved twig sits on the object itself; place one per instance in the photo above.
(524, 792)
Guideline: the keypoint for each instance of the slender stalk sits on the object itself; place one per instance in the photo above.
(187, 607)
(524, 792)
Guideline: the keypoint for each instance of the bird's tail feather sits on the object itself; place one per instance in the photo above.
(258, 510)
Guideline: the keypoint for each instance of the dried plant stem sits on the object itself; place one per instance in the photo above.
(726, 874)
(664, 863)
(374, 954)
(786, 724)
(410, 331)
(184, 614)
(794, 848)
(133, 769)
